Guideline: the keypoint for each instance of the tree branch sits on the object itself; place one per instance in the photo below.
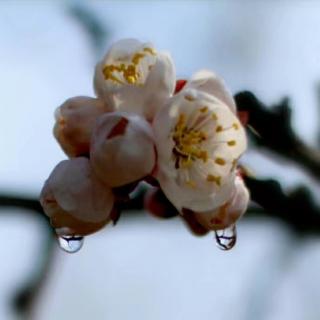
(275, 133)
(297, 208)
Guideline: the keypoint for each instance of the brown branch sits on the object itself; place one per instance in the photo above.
(275, 132)
(296, 208)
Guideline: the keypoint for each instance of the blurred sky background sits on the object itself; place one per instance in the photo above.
(144, 268)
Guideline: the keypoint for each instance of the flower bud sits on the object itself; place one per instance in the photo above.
(122, 149)
(75, 119)
(76, 202)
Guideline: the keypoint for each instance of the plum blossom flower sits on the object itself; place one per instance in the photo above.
(122, 149)
(226, 215)
(199, 140)
(134, 77)
(75, 120)
(76, 202)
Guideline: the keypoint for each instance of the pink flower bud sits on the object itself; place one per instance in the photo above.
(75, 119)
(122, 149)
(76, 202)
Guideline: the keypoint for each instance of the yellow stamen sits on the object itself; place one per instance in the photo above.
(220, 161)
(189, 97)
(151, 51)
(137, 57)
(215, 179)
(235, 126)
(191, 183)
(129, 71)
(188, 142)
(231, 143)
(219, 129)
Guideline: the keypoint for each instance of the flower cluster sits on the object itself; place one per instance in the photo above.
(184, 137)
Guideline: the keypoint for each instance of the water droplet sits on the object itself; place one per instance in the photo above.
(227, 238)
(70, 244)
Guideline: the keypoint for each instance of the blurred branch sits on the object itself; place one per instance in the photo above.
(273, 131)
(20, 202)
(25, 299)
(297, 208)
(91, 23)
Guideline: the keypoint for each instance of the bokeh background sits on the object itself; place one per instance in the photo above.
(146, 268)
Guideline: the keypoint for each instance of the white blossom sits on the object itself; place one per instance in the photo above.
(134, 77)
(199, 141)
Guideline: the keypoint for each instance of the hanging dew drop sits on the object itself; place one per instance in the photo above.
(227, 238)
(70, 244)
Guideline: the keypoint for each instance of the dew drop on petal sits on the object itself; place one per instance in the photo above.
(226, 238)
(70, 244)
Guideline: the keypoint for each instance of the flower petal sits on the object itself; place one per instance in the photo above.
(229, 213)
(122, 149)
(209, 82)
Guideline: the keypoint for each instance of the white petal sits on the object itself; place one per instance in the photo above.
(229, 213)
(122, 149)
(240, 200)
(209, 82)
(190, 198)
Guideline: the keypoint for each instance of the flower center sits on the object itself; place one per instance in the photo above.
(128, 73)
(196, 138)
(188, 144)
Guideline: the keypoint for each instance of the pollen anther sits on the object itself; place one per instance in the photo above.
(220, 161)
(129, 71)
(215, 179)
(231, 143)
